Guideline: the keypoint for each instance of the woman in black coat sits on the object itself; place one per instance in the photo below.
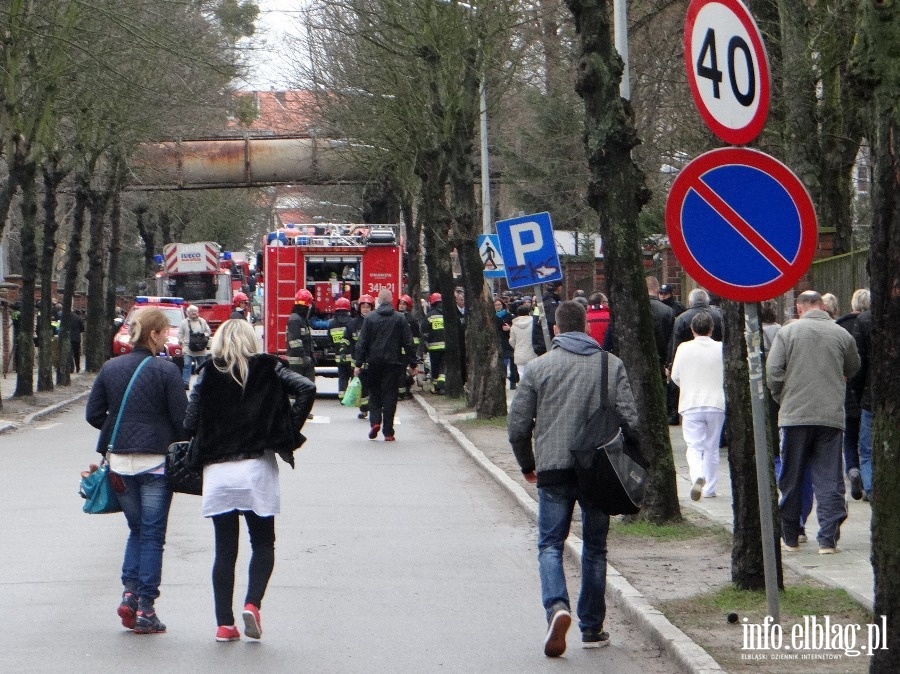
(241, 414)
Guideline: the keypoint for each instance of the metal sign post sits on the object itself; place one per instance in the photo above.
(761, 446)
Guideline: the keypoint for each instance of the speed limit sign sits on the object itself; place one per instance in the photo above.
(727, 68)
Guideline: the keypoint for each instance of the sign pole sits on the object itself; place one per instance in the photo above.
(545, 327)
(761, 445)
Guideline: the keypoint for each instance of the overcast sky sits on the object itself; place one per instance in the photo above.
(271, 65)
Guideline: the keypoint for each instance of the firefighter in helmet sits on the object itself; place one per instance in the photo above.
(241, 306)
(433, 334)
(337, 328)
(405, 306)
(299, 336)
(351, 335)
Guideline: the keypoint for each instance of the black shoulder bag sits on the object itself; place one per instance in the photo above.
(612, 474)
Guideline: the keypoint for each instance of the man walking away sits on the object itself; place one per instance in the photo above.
(558, 392)
(385, 333)
(807, 369)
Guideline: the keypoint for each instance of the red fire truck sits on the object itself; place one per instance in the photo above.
(239, 268)
(331, 261)
(192, 271)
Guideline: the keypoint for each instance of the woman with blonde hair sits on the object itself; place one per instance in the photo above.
(152, 418)
(241, 416)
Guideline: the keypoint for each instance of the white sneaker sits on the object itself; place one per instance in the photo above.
(697, 489)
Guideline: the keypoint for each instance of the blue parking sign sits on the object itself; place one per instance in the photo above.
(528, 250)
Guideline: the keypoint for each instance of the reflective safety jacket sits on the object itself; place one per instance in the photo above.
(351, 335)
(299, 341)
(337, 328)
(433, 329)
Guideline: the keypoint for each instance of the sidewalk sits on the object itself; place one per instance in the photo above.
(850, 570)
(18, 411)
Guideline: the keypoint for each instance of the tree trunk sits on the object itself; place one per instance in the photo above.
(53, 176)
(115, 251)
(617, 193)
(97, 332)
(877, 67)
(73, 261)
(747, 570)
(7, 192)
(380, 203)
(25, 345)
(413, 249)
(148, 236)
(801, 131)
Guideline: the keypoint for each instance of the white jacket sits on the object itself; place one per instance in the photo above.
(520, 340)
(699, 370)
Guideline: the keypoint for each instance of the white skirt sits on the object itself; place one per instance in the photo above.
(249, 484)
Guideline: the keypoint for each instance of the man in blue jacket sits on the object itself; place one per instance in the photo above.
(557, 394)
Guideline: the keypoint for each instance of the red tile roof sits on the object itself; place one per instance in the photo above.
(281, 113)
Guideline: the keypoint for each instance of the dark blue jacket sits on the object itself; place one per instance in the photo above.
(154, 411)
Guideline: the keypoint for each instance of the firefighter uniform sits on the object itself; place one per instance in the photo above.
(406, 382)
(300, 343)
(337, 328)
(351, 336)
(433, 335)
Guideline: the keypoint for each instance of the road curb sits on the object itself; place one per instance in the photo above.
(650, 619)
(53, 408)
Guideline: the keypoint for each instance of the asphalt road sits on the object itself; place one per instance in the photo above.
(391, 557)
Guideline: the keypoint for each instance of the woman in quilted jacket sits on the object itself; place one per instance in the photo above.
(152, 418)
(241, 415)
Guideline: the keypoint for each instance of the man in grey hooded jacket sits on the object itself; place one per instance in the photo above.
(556, 396)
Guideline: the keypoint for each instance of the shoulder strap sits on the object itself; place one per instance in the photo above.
(112, 438)
(604, 378)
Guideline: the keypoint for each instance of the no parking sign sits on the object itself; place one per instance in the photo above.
(741, 223)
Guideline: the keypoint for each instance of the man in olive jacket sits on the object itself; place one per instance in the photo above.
(807, 371)
(558, 393)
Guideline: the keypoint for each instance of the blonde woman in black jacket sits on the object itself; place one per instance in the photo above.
(241, 413)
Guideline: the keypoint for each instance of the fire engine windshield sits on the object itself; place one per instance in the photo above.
(196, 288)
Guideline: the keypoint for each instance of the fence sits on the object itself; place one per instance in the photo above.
(841, 275)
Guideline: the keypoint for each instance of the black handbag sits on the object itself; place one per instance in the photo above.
(181, 476)
(612, 475)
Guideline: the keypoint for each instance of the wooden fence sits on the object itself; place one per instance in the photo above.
(840, 275)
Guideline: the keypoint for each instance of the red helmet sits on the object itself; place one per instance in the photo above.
(303, 298)
(407, 300)
(367, 299)
(434, 298)
(240, 298)
(342, 304)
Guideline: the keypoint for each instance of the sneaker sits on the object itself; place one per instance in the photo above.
(856, 485)
(697, 489)
(373, 432)
(824, 550)
(147, 622)
(594, 639)
(252, 623)
(555, 643)
(389, 438)
(227, 633)
(128, 609)
(802, 538)
(361, 415)
(789, 548)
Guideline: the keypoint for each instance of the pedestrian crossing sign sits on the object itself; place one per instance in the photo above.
(489, 249)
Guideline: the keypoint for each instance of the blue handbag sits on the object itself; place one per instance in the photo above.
(95, 487)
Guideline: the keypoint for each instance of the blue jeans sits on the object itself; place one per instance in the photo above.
(146, 504)
(188, 359)
(865, 449)
(555, 507)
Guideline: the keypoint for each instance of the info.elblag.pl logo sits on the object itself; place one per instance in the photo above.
(815, 638)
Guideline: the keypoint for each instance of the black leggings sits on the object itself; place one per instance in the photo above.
(262, 560)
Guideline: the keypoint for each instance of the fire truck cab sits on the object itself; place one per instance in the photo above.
(331, 261)
(192, 271)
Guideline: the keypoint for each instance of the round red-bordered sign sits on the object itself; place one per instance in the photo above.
(741, 224)
(727, 69)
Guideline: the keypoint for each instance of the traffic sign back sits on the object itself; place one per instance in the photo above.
(741, 224)
(529, 250)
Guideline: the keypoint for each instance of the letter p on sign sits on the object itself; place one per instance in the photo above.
(520, 248)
